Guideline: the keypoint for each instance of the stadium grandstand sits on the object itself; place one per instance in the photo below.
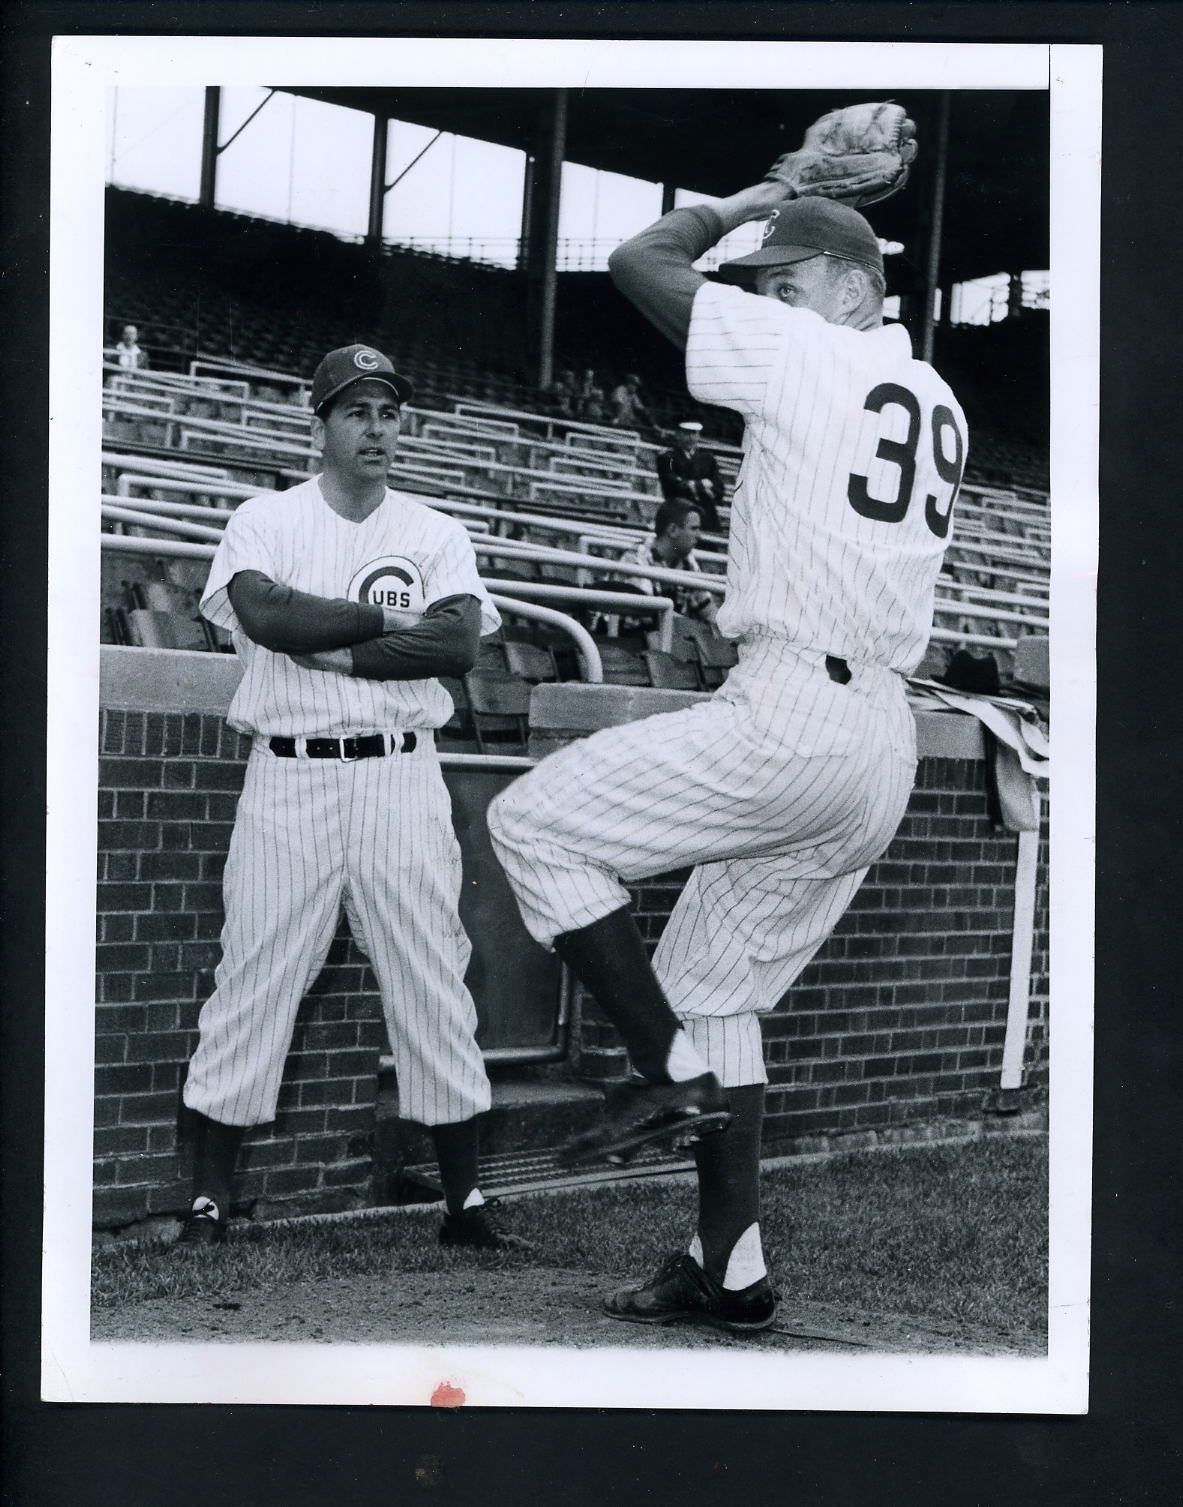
(929, 1003)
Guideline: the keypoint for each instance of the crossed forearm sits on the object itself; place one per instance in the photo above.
(288, 621)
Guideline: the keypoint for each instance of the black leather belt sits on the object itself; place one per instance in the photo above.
(837, 669)
(371, 746)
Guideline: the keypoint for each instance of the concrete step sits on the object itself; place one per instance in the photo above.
(529, 1119)
(529, 1171)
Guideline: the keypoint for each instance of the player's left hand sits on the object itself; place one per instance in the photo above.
(340, 661)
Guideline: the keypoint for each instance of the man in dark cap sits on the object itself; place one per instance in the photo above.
(346, 601)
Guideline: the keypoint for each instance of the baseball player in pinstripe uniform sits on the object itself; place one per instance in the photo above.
(346, 600)
(784, 787)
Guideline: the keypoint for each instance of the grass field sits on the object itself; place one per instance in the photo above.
(955, 1233)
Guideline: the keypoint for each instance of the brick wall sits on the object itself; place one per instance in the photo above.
(169, 784)
(900, 1018)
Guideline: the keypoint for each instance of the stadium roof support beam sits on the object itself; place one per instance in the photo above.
(936, 229)
(527, 212)
(210, 150)
(209, 147)
(377, 181)
(542, 239)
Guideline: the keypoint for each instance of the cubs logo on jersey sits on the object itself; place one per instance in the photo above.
(390, 581)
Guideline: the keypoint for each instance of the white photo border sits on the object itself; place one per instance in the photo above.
(76, 1370)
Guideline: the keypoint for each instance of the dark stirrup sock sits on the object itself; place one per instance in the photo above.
(610, 959)
(729, 1178)
(215, 1156)
(457, 1149)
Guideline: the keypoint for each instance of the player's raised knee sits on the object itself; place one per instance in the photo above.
(509, 819)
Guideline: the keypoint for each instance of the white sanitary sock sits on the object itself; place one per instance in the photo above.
(683, 1061)
(745, 1265)
(474, 1199)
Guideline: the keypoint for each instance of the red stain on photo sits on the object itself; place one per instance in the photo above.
(447, 1396)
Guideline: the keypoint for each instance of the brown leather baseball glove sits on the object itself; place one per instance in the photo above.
(856, 155)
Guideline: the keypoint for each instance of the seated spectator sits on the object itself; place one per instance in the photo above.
(675, 533)
(689, 474)
(558, 397)
(589, 399)
(626, 407)
(129, 353)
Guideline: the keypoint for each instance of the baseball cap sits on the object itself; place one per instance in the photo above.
(354, 363)
(804, 228)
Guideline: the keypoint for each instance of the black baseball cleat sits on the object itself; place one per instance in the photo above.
(681, 1292)
(478, 1229)
(638, 1114)
(203, 1225)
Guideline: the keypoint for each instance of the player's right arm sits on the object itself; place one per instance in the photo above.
(443, 640)
(655, 269)
(288, 621)
(245, 591)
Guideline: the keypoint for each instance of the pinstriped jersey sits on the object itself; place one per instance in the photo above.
(853, 454)
(404, 555)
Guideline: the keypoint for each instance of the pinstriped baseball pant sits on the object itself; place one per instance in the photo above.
(780, 792)
(312, 835)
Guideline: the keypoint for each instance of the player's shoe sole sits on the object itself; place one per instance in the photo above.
(647, 1114)
(680, 1292)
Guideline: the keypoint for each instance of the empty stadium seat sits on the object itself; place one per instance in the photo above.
(668, 673)
(457, 735)
(499, 706)
(716, 656)
(622, 666)
(530, 662)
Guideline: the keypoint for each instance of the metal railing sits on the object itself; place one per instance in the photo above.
(1017, 551)
(988, 604)
(505, 595)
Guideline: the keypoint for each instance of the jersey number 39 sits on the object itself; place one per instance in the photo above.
(902, 454)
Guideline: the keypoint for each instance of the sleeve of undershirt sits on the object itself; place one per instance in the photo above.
(244, 592)
(452, 571)
(445, 641)
(655, 271)
(288, 621)
(247, 543)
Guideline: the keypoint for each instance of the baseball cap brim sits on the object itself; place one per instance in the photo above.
(776, 256)
(403, 389)
(773, 256)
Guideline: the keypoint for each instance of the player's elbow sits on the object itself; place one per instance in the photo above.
(259, 607)
(623, 264)
(264, 629)
(459, 654)
(457, 622)
(452, 663)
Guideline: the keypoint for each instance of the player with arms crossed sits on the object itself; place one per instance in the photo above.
(784, 787)
(346, 601)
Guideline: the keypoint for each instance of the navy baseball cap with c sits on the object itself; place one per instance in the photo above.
(804, 228)
(355, 363)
